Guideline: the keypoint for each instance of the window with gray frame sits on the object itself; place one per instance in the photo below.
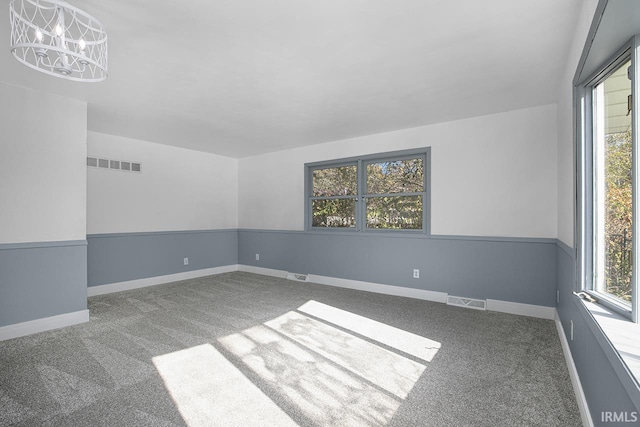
(387, 191)
(609, 233)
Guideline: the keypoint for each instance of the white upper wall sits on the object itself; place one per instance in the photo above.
(566, 163)
(178, 189)
(42, 166)
(492, 175)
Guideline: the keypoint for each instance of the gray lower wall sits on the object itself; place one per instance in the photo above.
(39, 280)
(517, 270)
(122, 257)
(596, 362)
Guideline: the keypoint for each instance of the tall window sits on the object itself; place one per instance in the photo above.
(382, 192)
(610, 182)
(613, 192)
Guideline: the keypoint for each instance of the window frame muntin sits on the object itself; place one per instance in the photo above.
(360, 161)
(584, 101)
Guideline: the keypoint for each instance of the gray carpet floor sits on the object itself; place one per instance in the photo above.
(244, 349)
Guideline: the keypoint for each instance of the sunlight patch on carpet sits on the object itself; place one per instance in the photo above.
(331, 376)
(208, 390)
(388, 370)
(319, 364)
(318, 388)
(399, 339)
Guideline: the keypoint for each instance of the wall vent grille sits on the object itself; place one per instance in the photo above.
(119, 165)
(476, 304)
(297, 277)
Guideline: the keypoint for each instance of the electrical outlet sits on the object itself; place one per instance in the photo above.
(257, 257)
(186, 261)
(416, 273)
(571, 330)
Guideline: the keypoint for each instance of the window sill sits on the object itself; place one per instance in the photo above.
(622, 335)
(397, 232)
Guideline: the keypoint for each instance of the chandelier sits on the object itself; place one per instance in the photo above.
(58, 39)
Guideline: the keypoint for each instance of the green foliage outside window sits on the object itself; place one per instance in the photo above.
(334, 182)
(392, 195)
(340, 181)
(400, 176)
(618, 215)
(395, 212)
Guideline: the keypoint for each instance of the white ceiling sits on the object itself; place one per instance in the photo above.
(239, 77)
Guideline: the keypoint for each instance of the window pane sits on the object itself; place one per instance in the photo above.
(337, 213)
(401, 212)
(613, 216)
(399, 176)
(340, 181)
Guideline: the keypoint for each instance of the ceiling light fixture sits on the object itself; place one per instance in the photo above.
(58, 39)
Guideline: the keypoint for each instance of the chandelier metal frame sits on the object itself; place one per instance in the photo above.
(58, 39)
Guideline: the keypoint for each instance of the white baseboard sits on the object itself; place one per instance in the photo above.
(157, 280)
(492, 305)
(380, 289)
(587, 421)
(353, 284)
(41, 325)
(264, 271)
(520, 309)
